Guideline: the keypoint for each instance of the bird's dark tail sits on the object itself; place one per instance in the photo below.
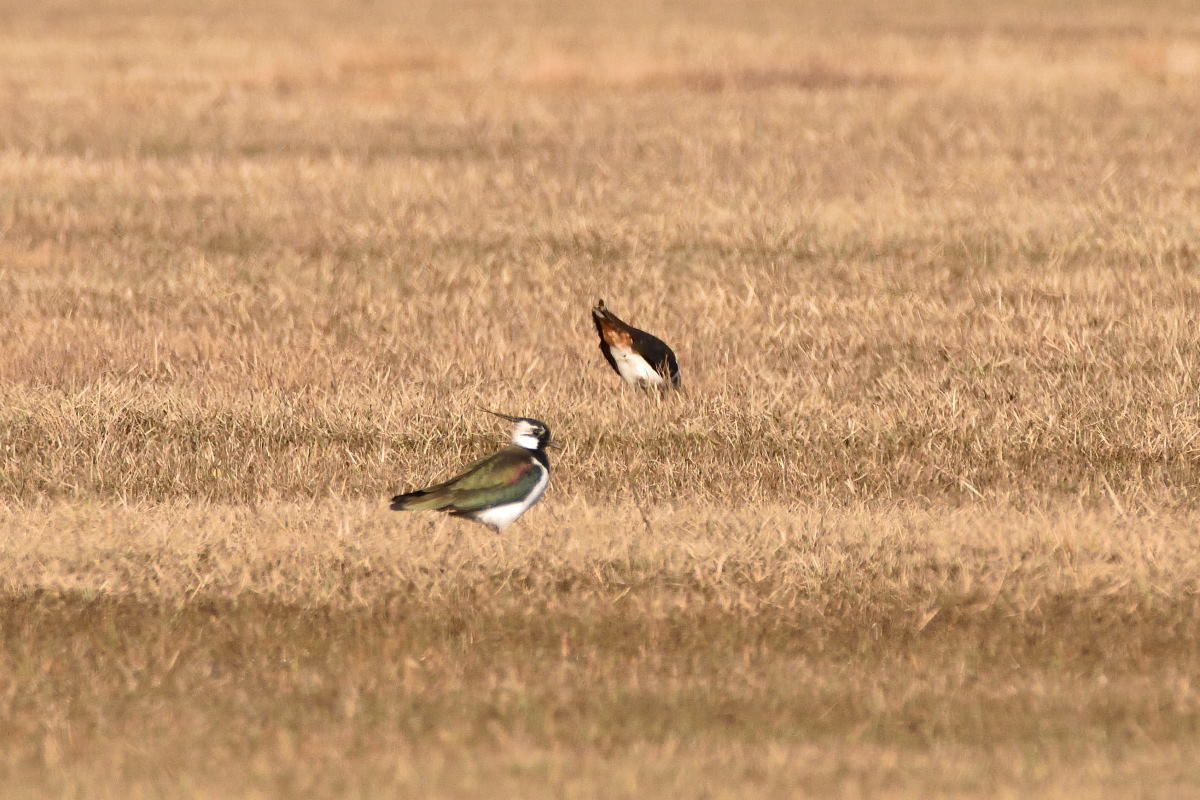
(413, 500)
(601, 312)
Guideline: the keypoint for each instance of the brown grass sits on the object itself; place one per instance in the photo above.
(324, 648)
(922, 522)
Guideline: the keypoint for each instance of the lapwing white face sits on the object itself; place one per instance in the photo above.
(530, 434)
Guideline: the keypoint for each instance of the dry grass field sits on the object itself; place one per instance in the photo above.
(924, 522)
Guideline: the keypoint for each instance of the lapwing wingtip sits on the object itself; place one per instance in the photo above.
(400, 501)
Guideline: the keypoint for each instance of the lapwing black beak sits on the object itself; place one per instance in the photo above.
(553, 446)
(508, 417)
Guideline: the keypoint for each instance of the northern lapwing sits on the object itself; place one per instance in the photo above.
(497, 489)
(642, 359)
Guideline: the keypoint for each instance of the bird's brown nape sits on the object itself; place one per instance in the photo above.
(615, 336)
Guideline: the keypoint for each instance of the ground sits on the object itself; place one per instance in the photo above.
(922, 522)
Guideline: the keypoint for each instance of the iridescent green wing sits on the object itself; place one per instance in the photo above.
(505, 476)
